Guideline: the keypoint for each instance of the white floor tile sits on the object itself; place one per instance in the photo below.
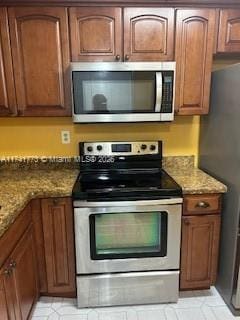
(112, 316)
(222, 313)
(71, 310)
(208, 313)
(92, 315)
(40, 312)
(170, 314)
(190, 314)
(151, 314)
(192, 305)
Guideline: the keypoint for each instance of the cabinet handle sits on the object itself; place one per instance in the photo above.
(127, 57)
(117, 57)
(186, 222)
(202, 205)
(12, 265)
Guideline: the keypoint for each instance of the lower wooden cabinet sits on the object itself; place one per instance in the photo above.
(18, 280)
(57, 217)
(199, 251)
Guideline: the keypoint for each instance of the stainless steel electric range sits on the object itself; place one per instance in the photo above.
(127, 213)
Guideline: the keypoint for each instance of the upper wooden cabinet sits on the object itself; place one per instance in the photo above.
(7, 89)
(148, 34)
(96, 34)
(40, 47)
(229, 31)
(195, 30)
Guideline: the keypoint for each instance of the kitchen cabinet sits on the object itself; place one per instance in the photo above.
(96, 33)
(200, 238)
(19, 288)
(40, 48)
(195, 38)
(229, 31)
(148, 34)
(57, 217)
(7, 89)
(39, 243)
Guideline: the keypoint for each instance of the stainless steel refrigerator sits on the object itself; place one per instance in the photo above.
(220, 157)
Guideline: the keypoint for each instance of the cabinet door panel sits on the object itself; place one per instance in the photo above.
(59, 244)
(194, 51)
(95, 34)
(7, 89)
(41, 57)
(148, 34)
(6, 305)
(25, 274)
(229, 31)
(200, 238)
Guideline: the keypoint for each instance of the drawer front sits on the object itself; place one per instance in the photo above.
(127, 288)
(201, 204)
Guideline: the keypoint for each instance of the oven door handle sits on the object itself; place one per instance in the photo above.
(159, 91)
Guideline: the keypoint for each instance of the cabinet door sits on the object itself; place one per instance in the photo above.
(96, 34)
(229, 31)
(7, 290)
(148, 34)
(194, 53)
(59, 245)
(40, 46)
(7, 89)
(24, 273)
(199, 251)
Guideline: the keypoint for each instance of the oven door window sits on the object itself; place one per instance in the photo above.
(114, 92)
(128, 235)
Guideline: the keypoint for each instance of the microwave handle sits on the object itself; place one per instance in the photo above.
(159, 91)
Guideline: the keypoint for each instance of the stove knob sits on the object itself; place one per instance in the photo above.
(152, 147)
(143, 146)
(89, 149)
(99, 147)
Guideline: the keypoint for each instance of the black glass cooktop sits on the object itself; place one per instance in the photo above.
(125, 185)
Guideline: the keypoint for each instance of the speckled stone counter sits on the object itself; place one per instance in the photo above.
(191, 179)
(18, 187)
(19, 183)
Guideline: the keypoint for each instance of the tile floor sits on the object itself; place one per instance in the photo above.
(192, 305)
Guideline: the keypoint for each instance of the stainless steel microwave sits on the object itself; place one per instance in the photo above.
(123, 91)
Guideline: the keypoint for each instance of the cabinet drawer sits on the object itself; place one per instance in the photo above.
(201, 204)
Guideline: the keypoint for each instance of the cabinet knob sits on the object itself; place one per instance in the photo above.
(202, 205)
(186, 222)
(55, 202)
(12, 265)
(7, 272)
(127, 57)
(117, 57)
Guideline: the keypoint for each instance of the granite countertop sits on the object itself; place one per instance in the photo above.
(19, 184)
(18, 187)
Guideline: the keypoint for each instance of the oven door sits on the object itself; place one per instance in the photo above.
(127, 236)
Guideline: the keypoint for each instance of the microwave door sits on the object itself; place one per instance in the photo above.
(159, 91)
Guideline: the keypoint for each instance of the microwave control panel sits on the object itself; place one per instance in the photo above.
(167, 96)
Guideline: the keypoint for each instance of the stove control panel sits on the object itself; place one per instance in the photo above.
(121, 148)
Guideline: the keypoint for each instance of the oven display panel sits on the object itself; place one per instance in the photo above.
(121, 147)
